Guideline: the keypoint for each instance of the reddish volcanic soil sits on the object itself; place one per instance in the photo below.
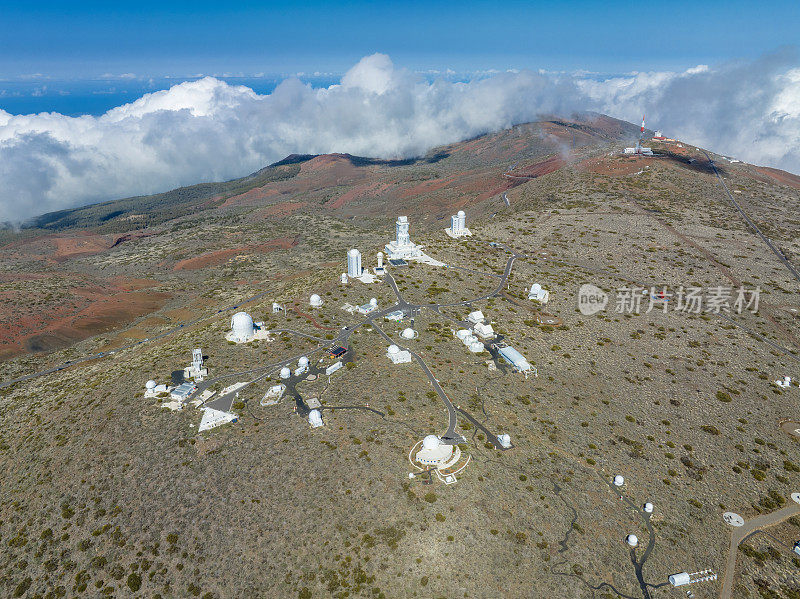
(222, 256)
(780, 176)
(93, 311)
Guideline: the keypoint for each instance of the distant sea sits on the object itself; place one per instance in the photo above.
(96, 96)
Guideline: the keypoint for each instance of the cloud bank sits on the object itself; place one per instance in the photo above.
(208, 130)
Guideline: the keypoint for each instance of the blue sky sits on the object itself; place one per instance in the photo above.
(90, 39)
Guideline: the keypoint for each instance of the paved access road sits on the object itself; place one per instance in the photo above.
(741, 533)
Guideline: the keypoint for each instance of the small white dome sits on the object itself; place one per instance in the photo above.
(431, 442)
(393, 349)
(632, 540)
(462, 334)
(380, 254)
(648, 507)
(407, 333)
(344, 277)
(373, 302)
(476, 347)
(619, 480)
(505, 439)
(535, 287)
(302, 362)
(461, 213)
(315, 300)
(285, 372)
(151, 384)
(315, 418)
(353, 252)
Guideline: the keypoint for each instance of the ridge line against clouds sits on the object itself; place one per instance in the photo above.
(208, 129)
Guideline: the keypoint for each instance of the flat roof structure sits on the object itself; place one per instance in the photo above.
(182, 391)
(517, 359)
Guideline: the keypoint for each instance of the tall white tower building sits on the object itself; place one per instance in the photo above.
(402, 247)
(401, 230)
(354, 263)
(458, 225)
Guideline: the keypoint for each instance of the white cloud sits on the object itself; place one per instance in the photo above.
(209, 130)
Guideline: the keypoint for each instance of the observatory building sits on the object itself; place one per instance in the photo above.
(516, 359)
(458, 225)
(354, 263)
(315, 418)
(196, 370)
(380, 269)
(476, 317)
(483, 330)
(402, 248)
(409, 333)
(315, 301)
(537, 293)
(397, 355)
(434, 452)
(243, 330)
(371, 306)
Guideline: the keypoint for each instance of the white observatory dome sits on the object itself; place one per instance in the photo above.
(302, 362)
(461, 214)
(285, 372)
(315, 418)
(431, 442)
(408, 333)
(393, 349)
(315, 301)
(632, 540)
(150, 385)
(476, 347)
(344, 278)
(462, 334)
(648, 507)
(619, 480)
(242, 327)
(353, 252)
(373, 302)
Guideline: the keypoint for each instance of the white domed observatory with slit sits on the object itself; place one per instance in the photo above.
(243, 329)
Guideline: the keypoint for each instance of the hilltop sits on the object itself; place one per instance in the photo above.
(108, 493)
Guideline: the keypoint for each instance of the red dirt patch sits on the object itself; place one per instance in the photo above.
(83, 245)
(780, 176)
(92, 311)
(221, 256)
